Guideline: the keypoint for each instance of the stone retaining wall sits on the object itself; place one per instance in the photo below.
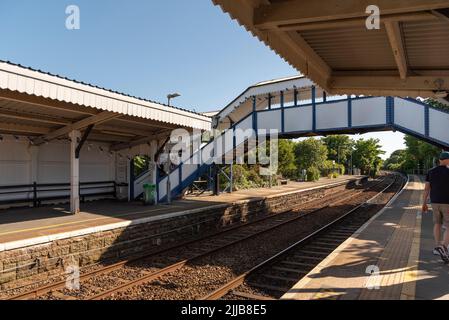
(27, 265)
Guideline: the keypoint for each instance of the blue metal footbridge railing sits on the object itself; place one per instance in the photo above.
(348, 115)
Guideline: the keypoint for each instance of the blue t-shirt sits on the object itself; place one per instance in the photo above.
(438, 178)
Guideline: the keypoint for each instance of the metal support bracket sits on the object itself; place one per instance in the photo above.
(83, 140)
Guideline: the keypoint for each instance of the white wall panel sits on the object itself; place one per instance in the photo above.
(15, 162)
(245, 124)
(53, 163)
(409, 115)
(162, 188)
(207, 153)
(14, 172)
(188, 170)
(368, 112)
(439, 125)
(298, 119)
(174, 179)
(219, 145)
(270, 120)
(228, 141)
(243, 132)
(332, 115)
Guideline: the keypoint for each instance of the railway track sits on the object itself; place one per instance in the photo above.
(117, 278)
(275, 276)
(40, 288)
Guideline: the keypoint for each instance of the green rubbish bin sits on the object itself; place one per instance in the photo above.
(149, 191)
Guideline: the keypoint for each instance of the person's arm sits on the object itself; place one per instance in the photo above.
(425, 207)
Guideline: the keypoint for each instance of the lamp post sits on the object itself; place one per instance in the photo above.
(172, 96)
(338, 154)
(338, 158)
(352, 165)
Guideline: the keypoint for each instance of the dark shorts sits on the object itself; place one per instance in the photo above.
(441, 214)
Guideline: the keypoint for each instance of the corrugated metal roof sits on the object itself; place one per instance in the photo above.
(97, 87)
(241, 105)
(329, 43)
(15, 77)
(369, 49)
(427, 44)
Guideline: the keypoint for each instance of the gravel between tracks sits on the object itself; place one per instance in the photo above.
(207, 274)
(195, 280)
(39, 281)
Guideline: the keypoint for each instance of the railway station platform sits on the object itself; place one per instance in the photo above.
(23, 227)
(389, 258)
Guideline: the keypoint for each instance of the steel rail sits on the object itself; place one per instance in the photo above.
(236, 282)
(35, 293)
(171, 268)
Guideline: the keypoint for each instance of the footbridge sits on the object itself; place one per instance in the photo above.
(295, 107)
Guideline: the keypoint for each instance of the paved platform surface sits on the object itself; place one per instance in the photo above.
(390, 258)
(25, 223)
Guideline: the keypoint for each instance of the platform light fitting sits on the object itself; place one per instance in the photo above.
(172, 96)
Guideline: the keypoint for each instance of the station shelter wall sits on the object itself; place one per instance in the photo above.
(22, 163)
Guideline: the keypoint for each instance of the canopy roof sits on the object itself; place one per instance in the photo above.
(46, 107)
(242, 105)
(328, 41)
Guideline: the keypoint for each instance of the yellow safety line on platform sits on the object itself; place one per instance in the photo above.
(411, 276)
(82, 221)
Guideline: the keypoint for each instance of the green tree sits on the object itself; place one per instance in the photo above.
(310, 153)
(287, 160)
(141, 164)
(367, 156)
(419, 154)
(339, 148)
(396, 161)
(332, 167)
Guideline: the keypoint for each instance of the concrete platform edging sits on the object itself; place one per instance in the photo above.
(330, 258)
(36, 258)
(86, 231)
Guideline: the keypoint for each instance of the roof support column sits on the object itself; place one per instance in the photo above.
(255, 115)
(282, 115)
(313, 109)
(349, 111)
(153, 164)
(75, 136)
(295, 95)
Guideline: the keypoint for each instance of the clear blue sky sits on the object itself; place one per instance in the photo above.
(144, 48)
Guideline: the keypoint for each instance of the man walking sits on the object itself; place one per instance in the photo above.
(437, 186)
